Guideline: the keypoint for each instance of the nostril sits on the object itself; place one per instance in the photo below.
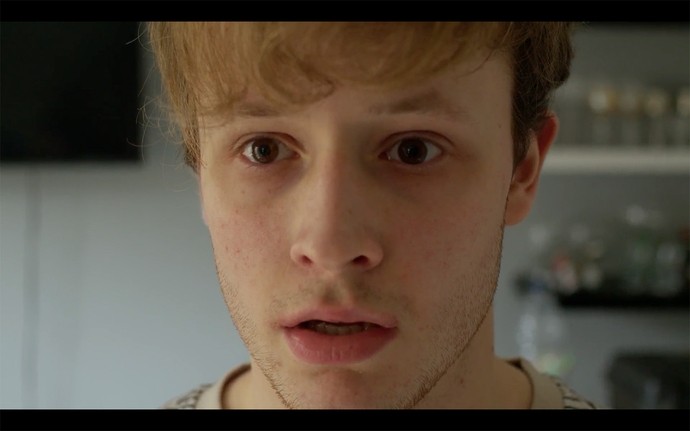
(360, 260)
(333, 258)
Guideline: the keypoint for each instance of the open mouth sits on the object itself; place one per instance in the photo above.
(337, 328)
(337, 337)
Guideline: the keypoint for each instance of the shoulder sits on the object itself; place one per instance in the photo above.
(207, 395)
(571, 399)
(187, 401)
(550, 391)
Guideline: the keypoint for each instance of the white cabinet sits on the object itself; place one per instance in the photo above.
(622, 57)
(617, 161)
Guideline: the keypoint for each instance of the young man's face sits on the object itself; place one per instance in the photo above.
(360, 259)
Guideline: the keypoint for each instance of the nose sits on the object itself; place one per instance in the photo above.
(336, 224)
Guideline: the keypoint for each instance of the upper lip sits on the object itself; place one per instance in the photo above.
(339, 315)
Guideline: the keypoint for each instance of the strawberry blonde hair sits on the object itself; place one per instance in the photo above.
(206, 67)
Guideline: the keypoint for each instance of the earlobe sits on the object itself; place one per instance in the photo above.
(523, 186)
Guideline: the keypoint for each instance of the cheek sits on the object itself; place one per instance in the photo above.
(446, 240)
(246, 241)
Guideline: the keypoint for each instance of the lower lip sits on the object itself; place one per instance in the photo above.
(322, 349)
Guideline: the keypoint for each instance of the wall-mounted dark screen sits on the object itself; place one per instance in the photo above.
(69, 91)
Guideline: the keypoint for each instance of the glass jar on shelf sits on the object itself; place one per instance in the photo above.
(681, 120)
(630, 104)
(602, 100)
(657, 103)
(667, 278)
(641, 232)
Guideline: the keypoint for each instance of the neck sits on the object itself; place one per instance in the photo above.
(480, 380)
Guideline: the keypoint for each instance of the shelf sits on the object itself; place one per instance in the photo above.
(618, 301)
(611, 295)
(617, 161)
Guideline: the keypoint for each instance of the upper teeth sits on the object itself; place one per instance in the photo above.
(338, 328)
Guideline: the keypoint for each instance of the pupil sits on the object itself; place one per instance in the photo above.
(412, 151)
(264, 150)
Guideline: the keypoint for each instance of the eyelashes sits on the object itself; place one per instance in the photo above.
(413, 150)
(409, 149)
(265, 150)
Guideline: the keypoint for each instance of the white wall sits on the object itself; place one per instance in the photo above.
(109, 299)
(109, 294)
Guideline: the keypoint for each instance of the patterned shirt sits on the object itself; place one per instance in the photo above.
(548, 392)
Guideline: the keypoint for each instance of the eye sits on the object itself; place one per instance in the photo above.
(413, 151)
(265, 150)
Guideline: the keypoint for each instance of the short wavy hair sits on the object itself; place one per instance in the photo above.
(300, 62)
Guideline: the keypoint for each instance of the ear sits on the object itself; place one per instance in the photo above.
(523, 186)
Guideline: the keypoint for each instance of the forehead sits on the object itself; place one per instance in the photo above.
(452, 93)
(299, 63)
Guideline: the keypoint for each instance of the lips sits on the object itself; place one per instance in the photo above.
(330, 328)
(340, 315)
(330, 336)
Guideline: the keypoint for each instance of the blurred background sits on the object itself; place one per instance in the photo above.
(109, 297)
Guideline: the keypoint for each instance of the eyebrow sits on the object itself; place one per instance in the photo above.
(431, 102)
(254, 110)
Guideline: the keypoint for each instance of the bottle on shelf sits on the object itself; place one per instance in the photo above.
(630, 106)
(681, 120)
(656, 105)
(541, 334)
(602, 100)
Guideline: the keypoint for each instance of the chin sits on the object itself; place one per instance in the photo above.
(340, 390)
